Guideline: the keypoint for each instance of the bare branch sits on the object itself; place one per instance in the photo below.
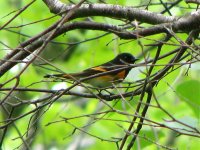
(112, 11)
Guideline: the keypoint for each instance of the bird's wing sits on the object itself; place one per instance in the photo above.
(88, 72)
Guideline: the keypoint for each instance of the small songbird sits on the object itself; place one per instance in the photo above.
(110, 72)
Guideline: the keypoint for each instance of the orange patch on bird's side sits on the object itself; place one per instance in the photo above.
(99, 69)
(121, 75)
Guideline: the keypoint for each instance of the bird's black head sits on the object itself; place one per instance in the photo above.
(125, 58)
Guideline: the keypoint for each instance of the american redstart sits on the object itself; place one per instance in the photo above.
(111, 72)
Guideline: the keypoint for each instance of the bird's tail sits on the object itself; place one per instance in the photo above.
(65, 76)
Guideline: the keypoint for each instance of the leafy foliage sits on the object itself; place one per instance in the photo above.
(33, 115)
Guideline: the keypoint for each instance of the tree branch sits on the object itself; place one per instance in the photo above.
(109, 10)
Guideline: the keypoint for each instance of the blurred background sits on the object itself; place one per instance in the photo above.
(75, 122)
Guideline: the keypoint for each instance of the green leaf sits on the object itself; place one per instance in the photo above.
(190, 121)
(189, 92)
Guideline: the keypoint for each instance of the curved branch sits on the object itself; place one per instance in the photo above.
(186, 22)
(109, 10)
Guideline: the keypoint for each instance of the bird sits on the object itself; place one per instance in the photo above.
(104, 75)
